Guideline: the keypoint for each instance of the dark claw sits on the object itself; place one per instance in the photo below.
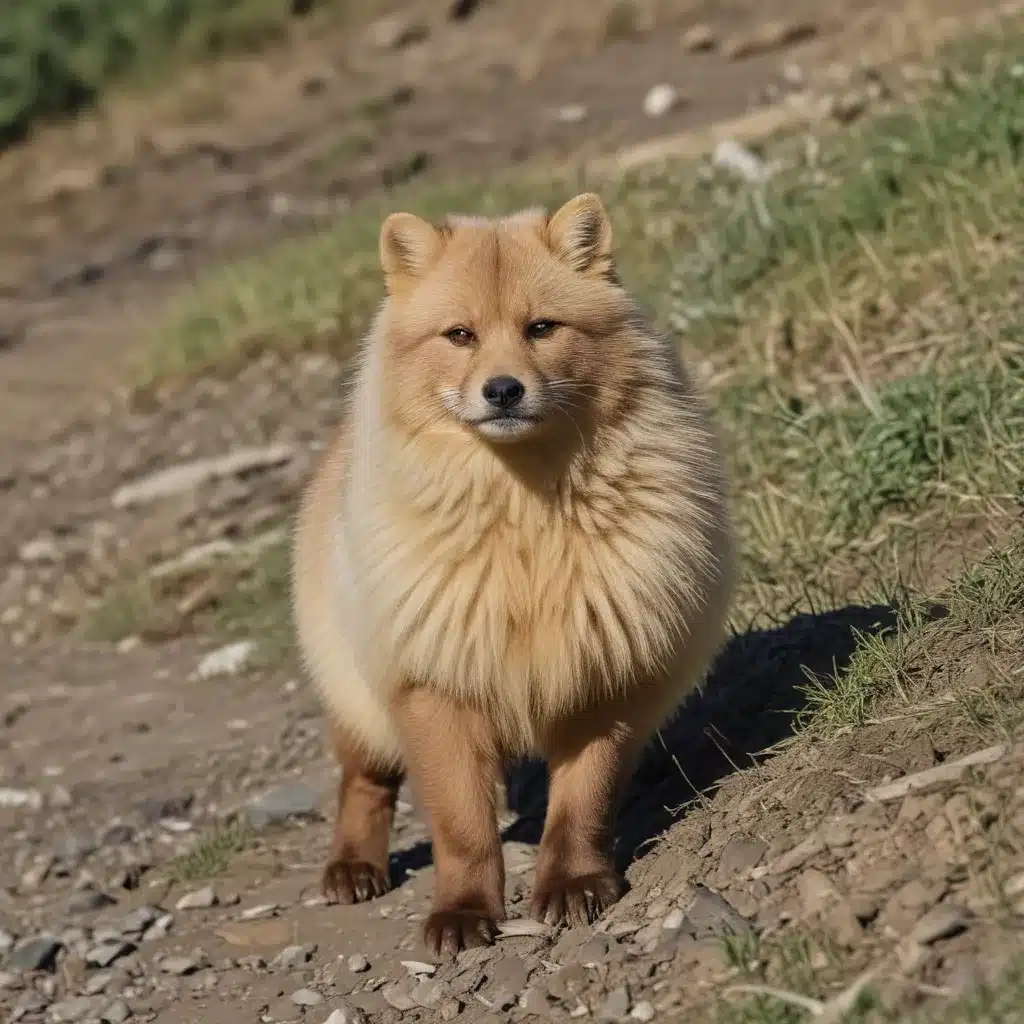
(577, 901)
(448, 932)
(354, 881)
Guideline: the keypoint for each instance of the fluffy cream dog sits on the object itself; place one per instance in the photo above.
(518, 542)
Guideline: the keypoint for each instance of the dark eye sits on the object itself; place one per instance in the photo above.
(540, 329)
(460, 336)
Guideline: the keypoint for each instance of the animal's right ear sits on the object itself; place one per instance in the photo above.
(409, 246)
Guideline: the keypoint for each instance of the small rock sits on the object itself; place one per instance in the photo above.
(161, 808)
(428, 993)
(418, 967)
(12, 798)
(39, 954)
(837, 833)
(159, 929)
(69, 1010)
(347, 1014)
(182, 966)
(33, 878)
(201, 899)
(643, 1011)
(87, 900)
(942, 922)
(571, 113)
(292, 956)
(816, 891)
(616, 1006)
(450, 1009)
(307, 997)
(139, 920)
(7, 941)
(65, 183)
(396, 31)
(698, 39)
(116, 1013)
(793, 75)
(228, 660)
(358, 963)
(258, 913)
(42, 549)
(660, 100)
(9, 980)
(503, 999)
(673, 920)
(98, 983)
(187, 477)
(741, 853)
(711, 915)
(395, 995)
(534, 1002)
(106, 953)
(797, 857)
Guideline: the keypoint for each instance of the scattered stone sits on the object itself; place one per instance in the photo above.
(201, 899)
(741, 853)
(503, 999)
(139, 920)
(116, 1013)
(347, 1014)
(643, 1011)
(182, 966)
(33, 877)
(39, 954)
(698, 39)
(571, 113)
(228, 660)
(711, 915)
(793, 75)
(159, 929)
(660, 100)
(42, 549)
(797, 857)
(307, 997)
(108, 952)
(942, 922)
(429, 993)
(88, 900)
(742, 163)
(263, 933)
(616, 1006)
(418, 967)
(1012, 888)
(358, 963)
(396, 31)
(259, 912)
(12, 799)
(772, 35)
(98, 983)
(450, 1009)
(673, 920)
(519, 927)
(65, 183)
(292, 956)
(174, 480)
(8, 980)
(533, 1001)
(395, 995)
(69, 1010)
(816, 891)
(837, 833)
(7, 941)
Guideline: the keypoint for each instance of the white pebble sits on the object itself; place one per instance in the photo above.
(226, 661)
(660, 100)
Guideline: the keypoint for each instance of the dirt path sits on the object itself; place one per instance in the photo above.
(116, 759)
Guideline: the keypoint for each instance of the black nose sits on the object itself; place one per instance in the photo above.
(504, 392)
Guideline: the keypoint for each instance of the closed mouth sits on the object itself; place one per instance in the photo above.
(509, 416)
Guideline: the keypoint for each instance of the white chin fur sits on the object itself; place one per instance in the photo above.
(505, 430)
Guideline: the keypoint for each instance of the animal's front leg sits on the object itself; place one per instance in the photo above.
(358, 866)
(590, 759)
(454, 762)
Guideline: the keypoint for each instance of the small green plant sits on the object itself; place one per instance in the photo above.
(212, 854)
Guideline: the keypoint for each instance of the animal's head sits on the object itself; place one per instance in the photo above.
(505, 328)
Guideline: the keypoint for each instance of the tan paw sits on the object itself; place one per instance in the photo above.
(577, 901)
(354, 881)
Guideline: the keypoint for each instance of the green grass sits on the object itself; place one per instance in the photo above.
(211, 855)
(60, 56)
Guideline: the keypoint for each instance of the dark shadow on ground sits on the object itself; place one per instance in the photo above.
(750, 702)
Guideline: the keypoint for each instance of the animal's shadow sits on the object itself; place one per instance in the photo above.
(750, 702)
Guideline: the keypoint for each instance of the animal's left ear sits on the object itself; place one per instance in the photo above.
(580, 234)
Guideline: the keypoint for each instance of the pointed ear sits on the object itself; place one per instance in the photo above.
(409, 246)
(580, 234)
